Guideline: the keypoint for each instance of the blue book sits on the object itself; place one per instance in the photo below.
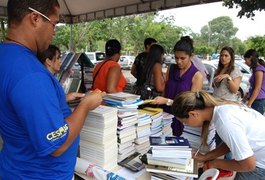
(169, 141)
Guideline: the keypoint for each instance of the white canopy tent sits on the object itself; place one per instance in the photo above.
(75, 11)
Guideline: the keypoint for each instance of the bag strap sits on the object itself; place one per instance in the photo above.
(94, 78)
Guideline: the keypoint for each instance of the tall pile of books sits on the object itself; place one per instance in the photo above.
(170, 158)
(127, 119)
(143, 132)
(98, 142)
(127, 105)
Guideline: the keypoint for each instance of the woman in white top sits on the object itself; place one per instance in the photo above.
(240, 128)
(227, 77)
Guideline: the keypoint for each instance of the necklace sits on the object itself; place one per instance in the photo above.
(17, 42)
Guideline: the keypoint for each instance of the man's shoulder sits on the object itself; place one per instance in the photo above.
(141, 57)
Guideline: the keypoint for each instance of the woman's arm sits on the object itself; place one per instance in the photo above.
(257, 87)
(159, 80)
(233, 84)
(113, 77)
(220, 151)
(248, 164)
(197, 81)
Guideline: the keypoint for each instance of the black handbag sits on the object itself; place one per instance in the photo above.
(147, 91)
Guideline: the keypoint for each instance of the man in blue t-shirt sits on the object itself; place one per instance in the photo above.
(40, 133)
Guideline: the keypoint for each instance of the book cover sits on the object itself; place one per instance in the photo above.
(190, 172)
(169, 141)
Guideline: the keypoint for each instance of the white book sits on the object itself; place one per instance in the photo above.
(122, 96)
(171, 153)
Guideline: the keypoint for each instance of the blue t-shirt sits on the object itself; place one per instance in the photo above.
(33, 109)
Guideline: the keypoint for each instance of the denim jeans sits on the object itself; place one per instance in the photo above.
(257, 174)
(259, 105)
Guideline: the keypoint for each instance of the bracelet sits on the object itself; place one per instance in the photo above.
(229, 79)
(169, 102)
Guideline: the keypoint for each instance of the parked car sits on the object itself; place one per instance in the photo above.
(244, 85)
(96, 57)
(126, 62)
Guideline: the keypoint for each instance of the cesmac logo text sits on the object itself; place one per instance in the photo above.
(58, 133)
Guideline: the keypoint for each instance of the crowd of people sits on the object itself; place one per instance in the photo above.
(41, 134)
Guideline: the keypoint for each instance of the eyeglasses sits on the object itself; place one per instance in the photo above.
(45, 17)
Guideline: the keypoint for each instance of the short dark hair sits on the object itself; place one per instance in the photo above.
(112, 47)
(18, 9)
(149, 41)
(48, 53)
(185, 44)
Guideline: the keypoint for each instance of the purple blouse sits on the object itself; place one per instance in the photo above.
(174, 86)
(261, 94)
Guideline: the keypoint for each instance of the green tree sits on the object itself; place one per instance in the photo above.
(258, 43)
(3, 29)
(219, 32)
(238, 46)
(248, 7)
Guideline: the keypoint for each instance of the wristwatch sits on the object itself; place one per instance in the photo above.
(229, 78)
(169, 102)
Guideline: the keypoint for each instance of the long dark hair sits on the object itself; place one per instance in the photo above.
(254, 56)
(231, 65)
(154, 56)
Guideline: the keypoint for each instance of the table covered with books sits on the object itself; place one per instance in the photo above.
(119, 129)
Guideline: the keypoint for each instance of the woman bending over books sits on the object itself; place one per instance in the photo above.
(241, 129)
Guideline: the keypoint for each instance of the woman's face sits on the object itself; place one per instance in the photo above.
(182, 59)
(56, 62)
(248, 61)
(225, 57)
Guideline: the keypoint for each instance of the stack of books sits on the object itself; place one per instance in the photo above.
(143, 132)
(156, 116)
(171, 156)
(123, 99)
(98, 142)
(127, 105)
(126, 132)
(166, 124)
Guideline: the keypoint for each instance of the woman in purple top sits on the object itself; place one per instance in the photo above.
(256, 94)
(182, 76)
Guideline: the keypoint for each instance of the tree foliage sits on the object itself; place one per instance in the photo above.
(248, 7)
(258, 43)
(219, 32)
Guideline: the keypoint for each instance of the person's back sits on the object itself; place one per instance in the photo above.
(139, 62)
(107, 75)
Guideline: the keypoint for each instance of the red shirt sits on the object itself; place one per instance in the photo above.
(101, 79)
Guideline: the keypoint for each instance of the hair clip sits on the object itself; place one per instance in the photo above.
(197, 94)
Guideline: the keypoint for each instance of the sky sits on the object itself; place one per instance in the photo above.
(197, 16)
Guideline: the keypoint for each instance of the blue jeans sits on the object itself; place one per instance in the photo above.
(259, 105)
(257, 174)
